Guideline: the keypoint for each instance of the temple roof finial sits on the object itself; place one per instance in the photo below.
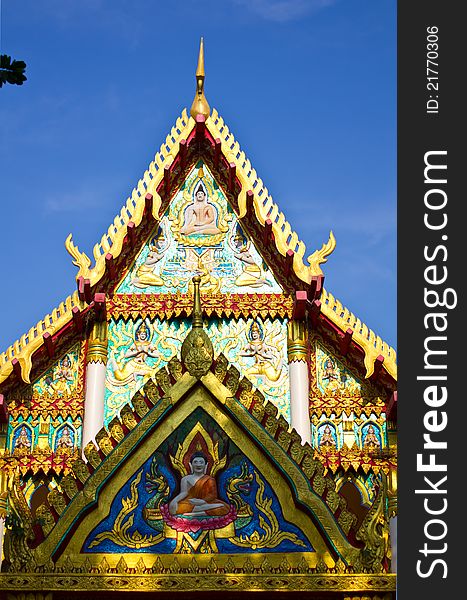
(200, 104)
(197, 351)
(197, 315)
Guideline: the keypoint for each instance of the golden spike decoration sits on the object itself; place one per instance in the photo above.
(200, 104)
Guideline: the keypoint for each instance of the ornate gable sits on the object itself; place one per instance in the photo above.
(253, 444)
(274, 508)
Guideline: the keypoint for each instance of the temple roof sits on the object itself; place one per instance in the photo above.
(255, 208)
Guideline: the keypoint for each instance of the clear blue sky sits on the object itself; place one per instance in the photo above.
(308, 88)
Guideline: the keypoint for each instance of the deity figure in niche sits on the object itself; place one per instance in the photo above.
(252, 274)
(266, 363)
(327, 438)
(134, 363)
(65, 439)
(198, 492)
(371, 440)
(145, 274)
(23, 441)
(62, 378)
(201, 215)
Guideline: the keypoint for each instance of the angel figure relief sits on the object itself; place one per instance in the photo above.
(133, 364)
(60, 380)
(267, 360)
(145, 275)
(252, 274)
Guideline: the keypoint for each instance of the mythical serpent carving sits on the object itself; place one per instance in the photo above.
(237, 487)
(19, 521)
(374, 533)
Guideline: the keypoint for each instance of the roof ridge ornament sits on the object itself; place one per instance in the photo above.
(197, 351)
(200, 104)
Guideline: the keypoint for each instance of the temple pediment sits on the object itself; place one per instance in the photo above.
(259, 490)
(200, 415)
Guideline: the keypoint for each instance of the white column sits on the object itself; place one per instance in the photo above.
(96, 361)
(299, 380)
(93, 401)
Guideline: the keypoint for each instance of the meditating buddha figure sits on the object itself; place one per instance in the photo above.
(200, 216)
(198, 492)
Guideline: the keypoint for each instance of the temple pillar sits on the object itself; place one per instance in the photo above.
(3, 509)
(297, 354)
(96, 365)
(391, 479)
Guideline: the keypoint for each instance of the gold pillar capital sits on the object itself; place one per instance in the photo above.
(297, 350)
(97, 344)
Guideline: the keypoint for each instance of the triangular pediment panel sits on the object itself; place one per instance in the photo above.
(197, 475)
(199, 234)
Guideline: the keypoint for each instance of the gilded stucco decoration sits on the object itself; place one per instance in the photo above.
(199, 234)
(197, 480)
(139, 348)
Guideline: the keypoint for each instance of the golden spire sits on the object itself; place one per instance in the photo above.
(200, 104)
(197, 314)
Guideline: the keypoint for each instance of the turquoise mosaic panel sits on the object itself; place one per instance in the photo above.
(138, 349)
(332, 377)
(62, 378)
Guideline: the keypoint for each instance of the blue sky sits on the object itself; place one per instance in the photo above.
(308, 88)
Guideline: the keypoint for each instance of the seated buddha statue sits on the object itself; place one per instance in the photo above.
(200, 216)
(198, 492)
